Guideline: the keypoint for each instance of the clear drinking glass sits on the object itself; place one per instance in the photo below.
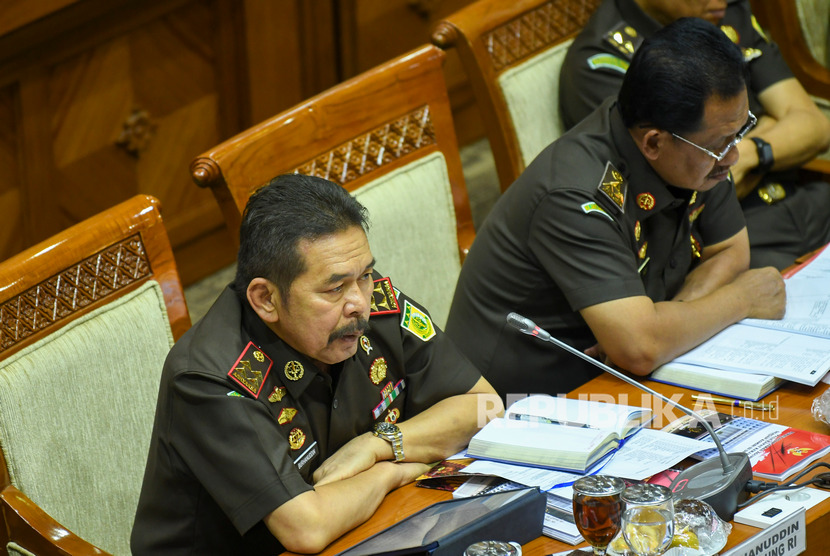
(598, 509)
(648, 520)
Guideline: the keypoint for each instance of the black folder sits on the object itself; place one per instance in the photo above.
(448, 528)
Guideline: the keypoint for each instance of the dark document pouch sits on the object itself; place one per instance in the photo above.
(448, 528)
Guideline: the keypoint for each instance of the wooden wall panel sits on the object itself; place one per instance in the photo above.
(11, 238)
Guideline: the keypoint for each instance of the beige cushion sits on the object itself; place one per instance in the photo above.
(76, 413)
(814, 16)
(15, 549)
(412, 232)
(530, 91)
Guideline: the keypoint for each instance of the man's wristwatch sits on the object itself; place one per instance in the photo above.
(392, 434)
(765, 158)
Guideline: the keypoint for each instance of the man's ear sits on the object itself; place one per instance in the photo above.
(651, 142)
(264, 298)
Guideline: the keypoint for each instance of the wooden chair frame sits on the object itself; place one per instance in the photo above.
(780, 18)
(59, 280)
(493, 36)
(351, 134)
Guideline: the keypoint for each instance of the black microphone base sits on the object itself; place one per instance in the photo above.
(707, 481)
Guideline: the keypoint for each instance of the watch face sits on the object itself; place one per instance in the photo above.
(386, 428)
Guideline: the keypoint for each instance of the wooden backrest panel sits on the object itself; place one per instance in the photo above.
(84, 267)
(493, 36)
(351, 134)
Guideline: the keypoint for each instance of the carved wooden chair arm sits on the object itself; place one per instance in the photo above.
(33, 529)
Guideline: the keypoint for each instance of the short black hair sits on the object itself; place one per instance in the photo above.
(674, 73)
(289, 209)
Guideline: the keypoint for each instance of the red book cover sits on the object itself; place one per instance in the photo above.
(791, 452)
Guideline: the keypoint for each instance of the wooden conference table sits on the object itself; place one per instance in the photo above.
(793, 401)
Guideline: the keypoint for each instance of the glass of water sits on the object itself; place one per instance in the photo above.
(648, 520)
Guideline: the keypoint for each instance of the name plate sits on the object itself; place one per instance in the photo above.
(782, 539)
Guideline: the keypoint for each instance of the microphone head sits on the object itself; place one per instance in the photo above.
(522, 323)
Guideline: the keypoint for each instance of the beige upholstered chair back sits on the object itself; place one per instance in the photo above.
(386, 136)
(83, 340)
(512, 53)
(814, 16)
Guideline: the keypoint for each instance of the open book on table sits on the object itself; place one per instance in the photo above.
(795, 348)
(558, 433)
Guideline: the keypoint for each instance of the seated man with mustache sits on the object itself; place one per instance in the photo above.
(286, 414)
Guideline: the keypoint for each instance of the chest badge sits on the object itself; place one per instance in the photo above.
(286, 415)
(294, 370)
(296, 438)
(393, 415)
(377, 371)
(645, 201)
(364, 343)
(388, 399)
(643, 249)
(613, 186)
(277, 395)
(251, 369)
(637, 230)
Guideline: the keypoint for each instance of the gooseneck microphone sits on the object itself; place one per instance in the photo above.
(719, 482)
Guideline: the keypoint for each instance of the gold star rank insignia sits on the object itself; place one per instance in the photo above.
(249, 371)
(277, 395)
(625, 39)
(296, 439)
(294, 370)
(645, 201)
(613, 186)
(383, 301)
(378, 370)
(364, 343)
(695, 247)
(286, 415)
(417, 322)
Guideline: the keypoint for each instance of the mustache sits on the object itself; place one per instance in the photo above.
(358, 326)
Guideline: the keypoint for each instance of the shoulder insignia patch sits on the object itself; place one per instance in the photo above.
(625, 39)
(417, 322)
(759, 29)
(588, 208)
(614, 186)
(384, 300)
(251, 369)
(609, 62)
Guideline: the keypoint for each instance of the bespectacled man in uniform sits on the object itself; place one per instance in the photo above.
(286, 414)
(785, 218)
(624, 237)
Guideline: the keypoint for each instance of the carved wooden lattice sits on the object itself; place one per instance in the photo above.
(370, 151)
(69, 291)
(536, 30)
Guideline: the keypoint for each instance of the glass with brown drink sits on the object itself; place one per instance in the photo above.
(598, 509)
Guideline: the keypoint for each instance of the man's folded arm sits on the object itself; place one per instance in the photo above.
(312, 520)
(639, 335)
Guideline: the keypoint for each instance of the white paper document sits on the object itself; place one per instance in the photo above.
(545, 479)
(649, 452)
(749, 349)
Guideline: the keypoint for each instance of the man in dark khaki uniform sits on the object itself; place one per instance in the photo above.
(784, 219)
(284, 419)
(621, 233)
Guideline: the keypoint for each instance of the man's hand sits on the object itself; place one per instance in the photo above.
(357, 455)
(765, 291)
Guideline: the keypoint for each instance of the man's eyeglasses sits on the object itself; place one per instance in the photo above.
(750, 123)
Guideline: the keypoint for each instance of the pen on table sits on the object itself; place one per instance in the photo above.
(735, 403)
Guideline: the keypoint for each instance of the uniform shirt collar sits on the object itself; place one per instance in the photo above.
(631, 162)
